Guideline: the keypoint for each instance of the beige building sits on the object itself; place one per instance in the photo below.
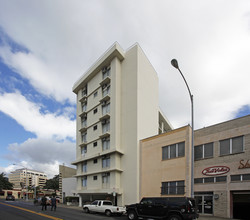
(26, 177)
(221, 167)
(65, 172)
(117, 106)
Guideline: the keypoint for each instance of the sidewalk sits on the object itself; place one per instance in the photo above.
(200, 218)
(213, 218)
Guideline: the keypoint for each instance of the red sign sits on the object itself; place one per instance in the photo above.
(244, 165)
(215, 170)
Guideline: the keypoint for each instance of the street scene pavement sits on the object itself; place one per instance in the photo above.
(23, 210)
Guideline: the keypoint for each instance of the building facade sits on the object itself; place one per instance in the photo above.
(67, 182)
(221, 167)
(26, 177)
(117, 100)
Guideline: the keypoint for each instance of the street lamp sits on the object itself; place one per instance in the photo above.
(175, 64)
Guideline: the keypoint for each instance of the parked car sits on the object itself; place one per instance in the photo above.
(10, 197)
(104, 206)
(172, 208)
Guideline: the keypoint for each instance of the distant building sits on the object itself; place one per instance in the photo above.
(221, 167)
(117, 106)
(27, 177)
(67, 181)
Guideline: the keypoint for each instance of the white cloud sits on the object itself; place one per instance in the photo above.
(27, 114)
(40, 154)
(63, 38)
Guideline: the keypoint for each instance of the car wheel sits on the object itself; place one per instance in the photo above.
(108, 213)
(174, 217)
(86, 210)
(132, 215)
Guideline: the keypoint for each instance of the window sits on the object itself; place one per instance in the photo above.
(84, 107)
(105, 178)
(95, 127)
(218, 179)
(84, 137)
(106, 162)
(240, 177)
(94, 177)
(84, 91)
(105, 89)
(84, 121)
(105, 72)
(84, 167)
(173, 151)
(231, 146)
(173, 188)
(105, 108)
(84, 151)
(105, 126)
(95, 144)
(95, 111)
(203, 151)
(84, 181)
(105, 144)
(107, 203)
(95, 160)
(95, 94)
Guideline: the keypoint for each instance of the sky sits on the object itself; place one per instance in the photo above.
(46, 46)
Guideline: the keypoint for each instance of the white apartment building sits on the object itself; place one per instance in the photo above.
(23, 177)
(117, 106)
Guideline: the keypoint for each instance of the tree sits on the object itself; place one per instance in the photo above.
(53, 183)
(4, 182)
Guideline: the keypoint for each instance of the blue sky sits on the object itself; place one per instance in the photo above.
(47, 46)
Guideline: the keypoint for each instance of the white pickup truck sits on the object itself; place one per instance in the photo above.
(104, 206)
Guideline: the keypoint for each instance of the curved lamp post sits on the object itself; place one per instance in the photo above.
(175, 64)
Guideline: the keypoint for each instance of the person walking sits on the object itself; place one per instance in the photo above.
(44, 203)
(53, 203)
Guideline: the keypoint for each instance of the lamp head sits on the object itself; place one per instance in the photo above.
(175, 63)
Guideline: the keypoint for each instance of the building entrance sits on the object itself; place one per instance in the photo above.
(241, 204)
(205, 203)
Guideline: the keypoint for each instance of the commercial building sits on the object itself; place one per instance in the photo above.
(67, 181)
(221, 167)
(27, 177)
(117, 106)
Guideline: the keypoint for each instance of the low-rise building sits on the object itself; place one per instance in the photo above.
(221, 167)
(27, 177)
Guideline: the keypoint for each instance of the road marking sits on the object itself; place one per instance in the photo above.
(27, 210)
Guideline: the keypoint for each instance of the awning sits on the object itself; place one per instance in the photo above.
(9, 192)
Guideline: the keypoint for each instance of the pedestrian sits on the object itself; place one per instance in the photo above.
(53, 203)
(44, 203)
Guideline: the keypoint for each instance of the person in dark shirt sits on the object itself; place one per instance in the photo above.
(44, 203)
(53, 203)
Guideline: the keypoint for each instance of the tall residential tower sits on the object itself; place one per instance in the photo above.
(117, 106)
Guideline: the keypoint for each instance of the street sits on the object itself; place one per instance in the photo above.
(22, 210)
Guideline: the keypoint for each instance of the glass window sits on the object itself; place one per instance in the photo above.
(225, 147)
(173, 188)
(208, 150)
(173, 151)
(220, 179)
(237, 143)
(164, 153)
(105, 162)
(84, 181)
(209, 180)
(246, 177)
(181, 149)
(198, 152)
(235, 178)
(198, 180)
(105, 144)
